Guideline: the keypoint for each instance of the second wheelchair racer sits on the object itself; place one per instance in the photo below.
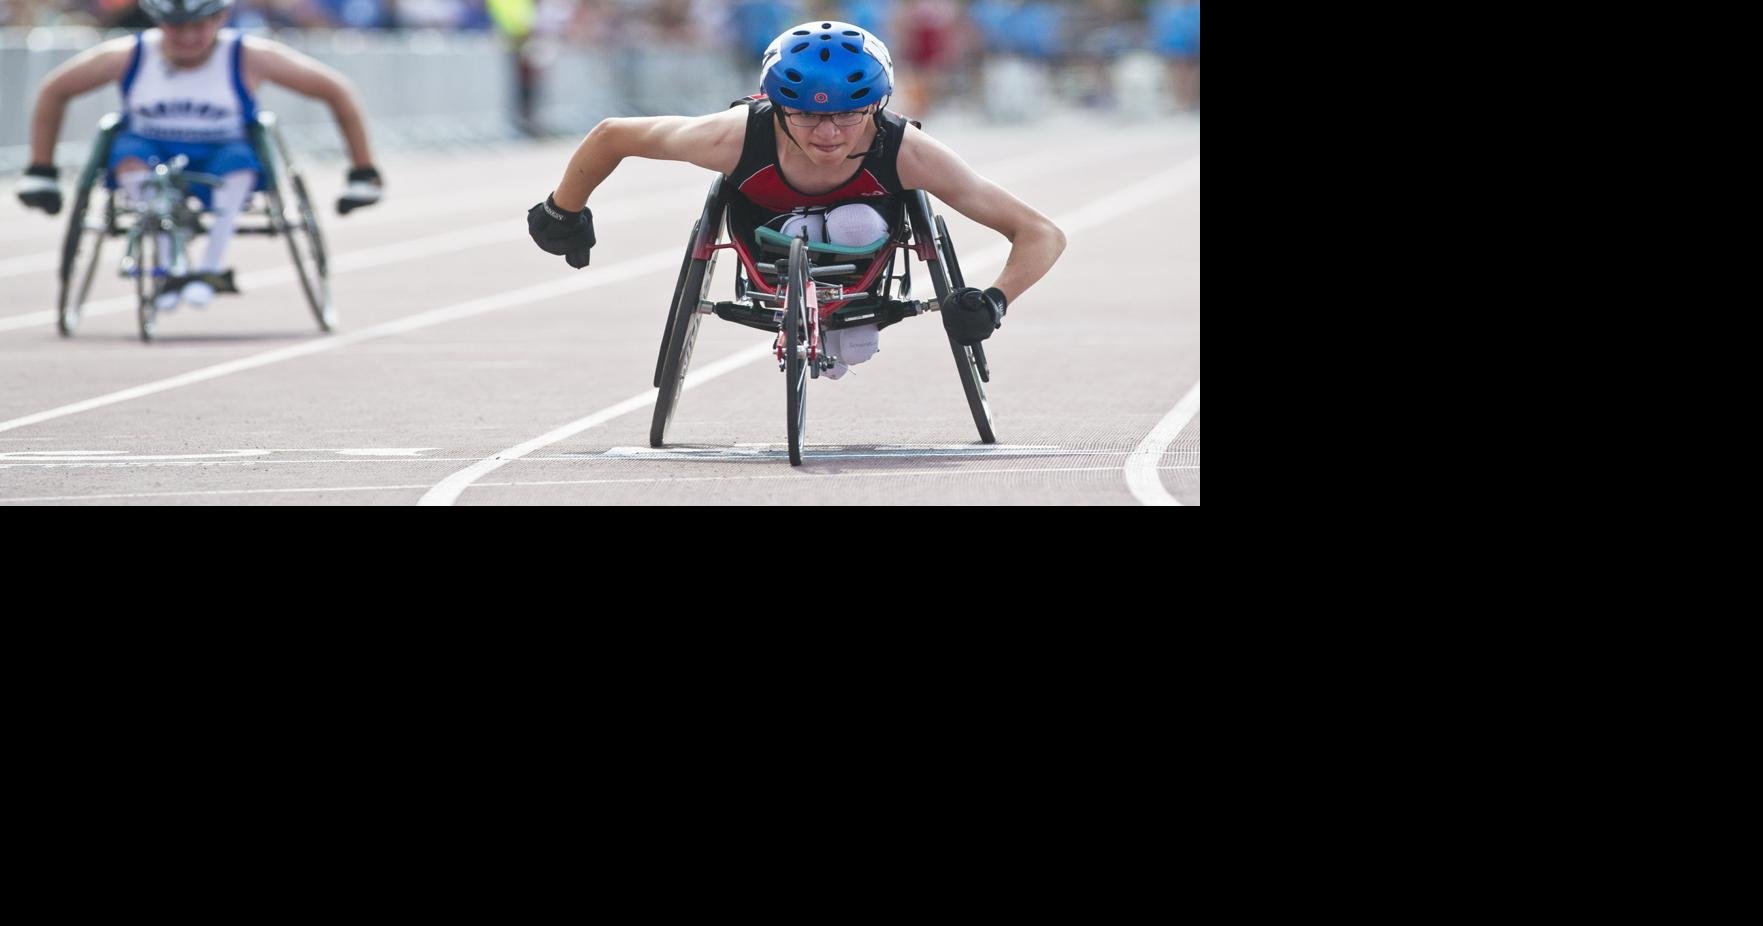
(189, 88)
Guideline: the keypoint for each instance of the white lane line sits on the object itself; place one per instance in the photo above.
(446, 492)
(498, 232)
(648, 480)
(127, 456)
(225, 463)
(765, 457)
(1137, 196)
(405, 208)
(209, 492)
(617, 273)
(116, 456)
(29, 263)
(1178, 179)
(1141, 466)
(768, 452)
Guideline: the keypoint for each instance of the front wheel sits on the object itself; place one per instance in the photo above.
(306, 246)
(969, 361)
(794, 340)
(681, 338)
(150, 278)
(82, 245)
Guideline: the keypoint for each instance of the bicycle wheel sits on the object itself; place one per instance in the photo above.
(795, 344)
(679, 286)
(679, 346)
(943, 269)
(84, 243)
(305, 239)
(149, 277)
(306, 247)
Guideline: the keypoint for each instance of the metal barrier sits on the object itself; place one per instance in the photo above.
(419, 88)
(427, 88)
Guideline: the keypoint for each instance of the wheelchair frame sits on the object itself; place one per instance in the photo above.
(90, 224)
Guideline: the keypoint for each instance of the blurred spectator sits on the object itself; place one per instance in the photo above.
(991, 20)
(1013, 56)
(1098, 33)
(430, 14)
(49, 12)
(754, 23)
(280, 14)
(1175, 33)
(1038, 30)
(873, 16)
(514, 20)
(932, 39)
(358, 14)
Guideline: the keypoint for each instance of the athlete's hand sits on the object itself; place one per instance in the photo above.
(363, 189)
(38, 190)
(562, 232)
(971, 316)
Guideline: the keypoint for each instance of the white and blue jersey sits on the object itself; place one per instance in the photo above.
(200, 112)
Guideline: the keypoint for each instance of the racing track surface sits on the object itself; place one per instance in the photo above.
(470, 368)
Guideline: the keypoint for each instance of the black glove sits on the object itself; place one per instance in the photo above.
(562, 232)
(37, 188)
(363, 189)
(971, 316)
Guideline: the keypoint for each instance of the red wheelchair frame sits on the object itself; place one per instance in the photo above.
(788, 298)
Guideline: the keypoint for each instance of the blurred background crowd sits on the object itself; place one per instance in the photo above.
(1059, 48)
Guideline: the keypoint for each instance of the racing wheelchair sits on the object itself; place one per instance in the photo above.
(167, 213)
(808, 288)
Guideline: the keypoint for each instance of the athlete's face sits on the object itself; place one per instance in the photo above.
(827, 142)
(188, 44)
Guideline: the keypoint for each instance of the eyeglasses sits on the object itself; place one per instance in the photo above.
(812, 120)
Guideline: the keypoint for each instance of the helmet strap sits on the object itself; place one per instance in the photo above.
(777, 113)
(876, 146)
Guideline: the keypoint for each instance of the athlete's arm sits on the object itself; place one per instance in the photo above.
(1035, 242)
(279, 64)
(712, 142)
(83, 73)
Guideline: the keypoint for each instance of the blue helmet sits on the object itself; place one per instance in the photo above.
(826, 67)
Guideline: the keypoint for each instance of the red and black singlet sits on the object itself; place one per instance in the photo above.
(759, 181)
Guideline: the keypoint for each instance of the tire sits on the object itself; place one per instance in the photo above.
(943, 269)
(682, 337)
(80, 251)
(794, 336)
(147, 284)
(679, 286)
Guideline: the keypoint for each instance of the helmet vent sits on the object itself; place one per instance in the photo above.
(855, 76)
(826, 25)
(798, 48)
(860, 94)
(794, 75)
(826, 55)
(852, 48)
(851, 33)
(789, 93)
(800, 32)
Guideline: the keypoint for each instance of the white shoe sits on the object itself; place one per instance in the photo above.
(166, 301)
(198, 293)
